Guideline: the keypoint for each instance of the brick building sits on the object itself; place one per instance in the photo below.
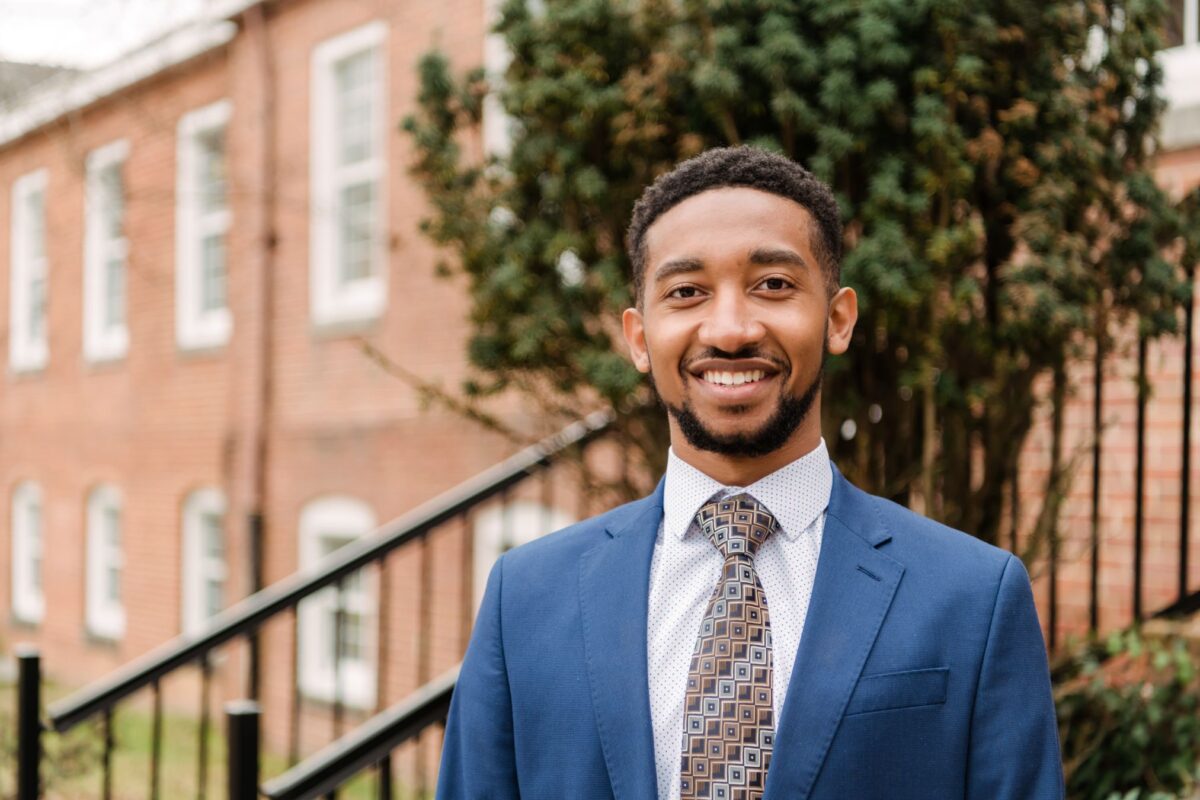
(196, 240)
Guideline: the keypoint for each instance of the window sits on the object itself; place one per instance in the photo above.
(205, 571)
(347, 259)
(28, 600)
(27, 345)
(1182, 19)
(202, 317)
(497, 125)
(325, 526)
(105, 613)
(105, 335)
(500, 528)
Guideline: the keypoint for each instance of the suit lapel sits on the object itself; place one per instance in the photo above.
(851, 595)
(614, 580)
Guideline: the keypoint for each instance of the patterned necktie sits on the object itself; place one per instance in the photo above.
(728, 719)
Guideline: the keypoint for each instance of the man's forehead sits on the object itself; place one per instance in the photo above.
(751, 224)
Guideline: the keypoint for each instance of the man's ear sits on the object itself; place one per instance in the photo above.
(843, 313)
(635, 336)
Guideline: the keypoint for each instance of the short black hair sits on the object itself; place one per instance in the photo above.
(741, 166)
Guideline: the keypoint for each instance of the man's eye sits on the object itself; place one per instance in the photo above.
(684, 292)
(775, 284)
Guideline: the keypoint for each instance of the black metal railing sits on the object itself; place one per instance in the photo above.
(368, 746)
(281, 601)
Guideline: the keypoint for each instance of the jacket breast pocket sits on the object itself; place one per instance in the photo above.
(890, 691)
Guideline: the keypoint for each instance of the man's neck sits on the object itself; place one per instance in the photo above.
(743, 471)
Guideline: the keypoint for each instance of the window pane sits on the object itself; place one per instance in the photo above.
(114, 290)
(214, 546)
(351, 647)
(33, 536)
(354, 79)
(35, 211)
(112, 589)
(112, 556)
(214, 590)
(1173, 35)
(210, 147)
(37, 306)
(212, 277)
(356, 211)
(112, 202)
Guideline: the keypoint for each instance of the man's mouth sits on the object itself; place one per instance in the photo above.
(724, 378)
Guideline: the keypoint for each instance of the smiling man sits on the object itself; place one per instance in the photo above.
(757, 627)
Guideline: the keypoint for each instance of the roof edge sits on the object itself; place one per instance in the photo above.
(45, 104)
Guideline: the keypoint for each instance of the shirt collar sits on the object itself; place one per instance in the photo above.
(687, 488)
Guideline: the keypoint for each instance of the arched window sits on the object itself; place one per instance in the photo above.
(204, 568)
(326, 525)
(105, 612)
(500, 528)
(28, 600)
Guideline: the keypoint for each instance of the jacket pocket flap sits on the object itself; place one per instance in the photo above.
(892, 690)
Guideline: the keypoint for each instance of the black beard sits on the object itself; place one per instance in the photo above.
(774, 433)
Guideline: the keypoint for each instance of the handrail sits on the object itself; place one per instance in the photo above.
(366, 745)
(252, 611)
(1183, 607)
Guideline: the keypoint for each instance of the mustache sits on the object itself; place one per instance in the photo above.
(750, 351)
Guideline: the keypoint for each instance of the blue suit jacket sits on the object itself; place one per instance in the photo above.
(921, 673)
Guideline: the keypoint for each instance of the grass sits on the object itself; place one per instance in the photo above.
(72, 769)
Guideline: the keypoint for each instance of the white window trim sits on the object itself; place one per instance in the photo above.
(197, 568)
(365, 299)
(26, 353)
(101, 343)
(196, 328)
(335, 516)
(105, 618)
(497, 125)
(28, 601)
(499, 528)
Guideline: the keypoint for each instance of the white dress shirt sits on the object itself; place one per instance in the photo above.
(685, 570)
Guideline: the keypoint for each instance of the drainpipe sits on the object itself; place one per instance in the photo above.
(265, 238)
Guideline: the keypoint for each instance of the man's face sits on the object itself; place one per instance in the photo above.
(736, 321)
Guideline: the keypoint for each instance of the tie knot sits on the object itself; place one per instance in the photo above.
(737, 525)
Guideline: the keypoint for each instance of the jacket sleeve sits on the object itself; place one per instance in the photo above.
(478, 760)
(1014, 751)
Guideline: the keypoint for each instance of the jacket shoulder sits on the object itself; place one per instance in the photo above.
(918, 540)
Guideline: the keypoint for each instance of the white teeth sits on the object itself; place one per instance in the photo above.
(733, 378)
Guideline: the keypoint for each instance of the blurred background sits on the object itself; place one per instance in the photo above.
(310, 310)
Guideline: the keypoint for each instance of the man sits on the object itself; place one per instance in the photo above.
(757, 627)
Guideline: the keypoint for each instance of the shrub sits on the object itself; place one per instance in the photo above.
(1128, 719)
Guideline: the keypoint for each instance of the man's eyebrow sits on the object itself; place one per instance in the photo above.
(677, 266)
(773, 255)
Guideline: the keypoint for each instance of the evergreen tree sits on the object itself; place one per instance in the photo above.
(992, 159)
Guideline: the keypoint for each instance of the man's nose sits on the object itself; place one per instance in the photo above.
(731, 324)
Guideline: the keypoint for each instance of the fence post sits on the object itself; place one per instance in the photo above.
(29, 722)
(242, 725)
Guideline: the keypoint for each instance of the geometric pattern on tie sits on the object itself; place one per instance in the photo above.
(728, 718)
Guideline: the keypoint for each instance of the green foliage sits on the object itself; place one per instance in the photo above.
(992, 160)
(1130, 724)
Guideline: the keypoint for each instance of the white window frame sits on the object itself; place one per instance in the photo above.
(103, 341)
(105, 617)
(331, 301)
(497, 125)
(499, 528)
(342, 518)
(196, 327)
(28, 553)
(27, 352)
(198, 568)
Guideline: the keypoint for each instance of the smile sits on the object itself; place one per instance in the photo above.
(721, 378)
